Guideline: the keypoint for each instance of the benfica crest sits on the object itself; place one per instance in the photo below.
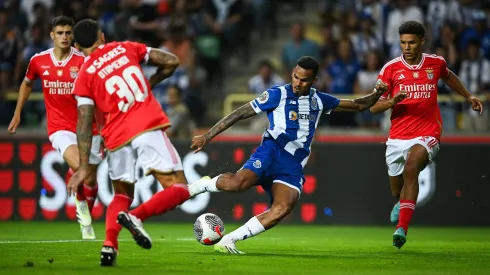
(415, 74)
(430, 74)
(73, 72)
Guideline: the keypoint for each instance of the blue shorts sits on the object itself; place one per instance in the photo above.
(273, 164)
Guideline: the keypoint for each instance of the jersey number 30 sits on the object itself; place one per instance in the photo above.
(130, 87)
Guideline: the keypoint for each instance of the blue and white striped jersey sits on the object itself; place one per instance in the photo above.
(292, 119)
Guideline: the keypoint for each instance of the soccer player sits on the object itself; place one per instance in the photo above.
(416, 124)
(112, 79)
(293, 111)
(57, 68)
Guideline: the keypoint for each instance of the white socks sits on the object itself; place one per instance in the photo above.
(249, 229)
(210, 185)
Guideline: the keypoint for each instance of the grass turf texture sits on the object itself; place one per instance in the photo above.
(283, 250)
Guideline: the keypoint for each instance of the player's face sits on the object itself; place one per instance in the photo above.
(62, 36)
(411, 46)
(302, 80)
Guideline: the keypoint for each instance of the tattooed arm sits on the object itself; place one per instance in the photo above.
(362, 103)
(84, 133)
(244, 112)
(166, 63)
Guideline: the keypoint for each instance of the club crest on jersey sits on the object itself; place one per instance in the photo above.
(257, 164)
(73, 72)
(263, 97)
(415, 74)
(293, 115)
(430, 74)
(59, 72)
(314, 103)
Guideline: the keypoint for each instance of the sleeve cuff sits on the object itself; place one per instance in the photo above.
(255, 107)
(147, 55)
(84, 101)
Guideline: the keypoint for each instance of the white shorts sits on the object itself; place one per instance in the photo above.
(153, 150)
(397, 150)
(60, 140)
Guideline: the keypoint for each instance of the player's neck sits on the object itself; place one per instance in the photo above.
(414, 61)
(61, 54)
(88, 51)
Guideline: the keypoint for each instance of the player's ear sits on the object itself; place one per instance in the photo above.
(315, 80)
(102, 37)
(51, 34)
(422, 41)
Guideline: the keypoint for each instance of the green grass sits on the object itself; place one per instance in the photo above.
(283, 250)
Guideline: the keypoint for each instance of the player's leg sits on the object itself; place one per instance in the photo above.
(122, 173)
(245, 178)
(284, 198)
(65, 142)
(396, 184)
(160, 158)
(416, 160)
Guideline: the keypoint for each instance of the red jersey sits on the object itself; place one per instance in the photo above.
(57, 82)
(418, 114)
(112, 77)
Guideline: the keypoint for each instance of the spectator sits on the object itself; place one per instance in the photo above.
(329, 47)
(461, 12)
(479, 31)
(297, 47)
(10, 50)
(448, 109)
(178, 113)
(364, 84)
(475, 74)
(436, 16)
(365, 40)
(341, 74)
(180, 45)
(144, 23)
(265, 78)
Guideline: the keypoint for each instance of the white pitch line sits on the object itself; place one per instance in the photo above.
(84, 241)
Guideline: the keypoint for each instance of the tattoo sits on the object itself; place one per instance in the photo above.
(241, 113)
(84, 133)
(359, 104)
(166, 63)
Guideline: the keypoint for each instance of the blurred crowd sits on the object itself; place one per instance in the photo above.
(201, 33)
(360, 36)
(357, 37)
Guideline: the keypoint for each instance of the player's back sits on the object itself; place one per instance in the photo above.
(417, 115)
(121, 92)
(57, 78)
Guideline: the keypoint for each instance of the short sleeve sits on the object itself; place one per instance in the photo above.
(82, 86)
(31, 73)
(385, 75)
(141, 51)
(267, 101)
(444, 69)
(329, 102)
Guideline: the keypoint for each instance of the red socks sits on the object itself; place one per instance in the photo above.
(406, 212)
(112, 228)
(86, 192)
(162, 202)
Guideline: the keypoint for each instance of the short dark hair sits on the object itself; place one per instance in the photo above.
(62, 21)
(309, 63)
(412, 27)
(266, 63)
(86, 33)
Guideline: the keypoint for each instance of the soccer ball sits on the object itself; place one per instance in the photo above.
(209, 229)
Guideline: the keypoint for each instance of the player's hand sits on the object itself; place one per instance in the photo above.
(198, 143)
(399, 97)
(476, 104)
(381, 87)
(14, 123)
(75, 181)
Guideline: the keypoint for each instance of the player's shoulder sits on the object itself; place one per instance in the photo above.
(77, 53)
(390, 64)
(433, 58)
(42, 55)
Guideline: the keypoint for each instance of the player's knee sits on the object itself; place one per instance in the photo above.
(411, 169)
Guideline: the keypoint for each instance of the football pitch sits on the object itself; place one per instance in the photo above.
(55, 248)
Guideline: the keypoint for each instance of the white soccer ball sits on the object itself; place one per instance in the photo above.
(209, 229)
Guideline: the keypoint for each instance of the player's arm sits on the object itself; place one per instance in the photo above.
(384, 104)
(244, 112)
(362, 103)
(166, 63)
(24, 92)
(453, 81)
